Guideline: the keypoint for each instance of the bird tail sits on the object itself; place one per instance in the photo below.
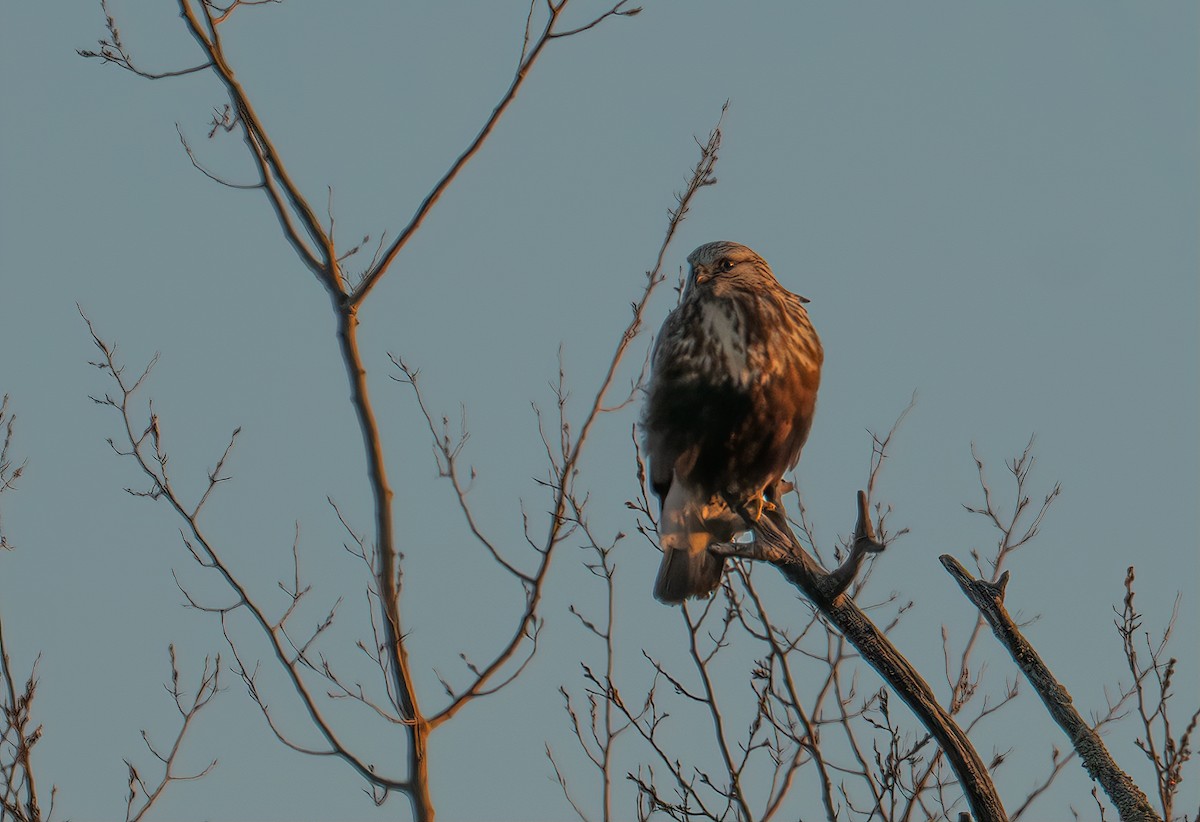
(686, 573)
(690, 524)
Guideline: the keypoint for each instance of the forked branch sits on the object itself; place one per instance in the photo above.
(530, 52)
(146, 448)
(1153, 689)
(566, 505)
(19, 732)
(988, 598)
(314, 244)
(776, 543)
(142, 795)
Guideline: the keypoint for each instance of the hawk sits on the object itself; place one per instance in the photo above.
(732, 390)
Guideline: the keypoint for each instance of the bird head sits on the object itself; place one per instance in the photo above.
(723, 268)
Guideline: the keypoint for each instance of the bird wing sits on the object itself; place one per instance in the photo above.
(662, 449)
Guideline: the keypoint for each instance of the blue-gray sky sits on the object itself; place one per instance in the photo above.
(994, 205)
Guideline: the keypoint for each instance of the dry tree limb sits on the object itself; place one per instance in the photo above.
(531, 49)
(596, 736)
(775, 543)
(808, 744)
(315, 247)
(142, 796)
(1152, 690)
(145, 447)
(864, 545)
(788, 731)
(9, 473)
(988, 598)
(19, 733)
(1017, 525)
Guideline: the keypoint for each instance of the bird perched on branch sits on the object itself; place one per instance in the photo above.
(732, 391)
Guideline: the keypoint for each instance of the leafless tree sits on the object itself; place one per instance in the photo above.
(807, 725)
(786, 729)
(840, 733)
(297, 653)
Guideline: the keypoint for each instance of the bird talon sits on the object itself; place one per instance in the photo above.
(759, 506)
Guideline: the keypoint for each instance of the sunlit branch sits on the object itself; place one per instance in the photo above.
(529, 57)
(153, 466)
(283, 192)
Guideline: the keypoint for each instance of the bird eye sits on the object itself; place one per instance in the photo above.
(725, 264)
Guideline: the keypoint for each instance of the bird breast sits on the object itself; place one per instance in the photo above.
(722, 330)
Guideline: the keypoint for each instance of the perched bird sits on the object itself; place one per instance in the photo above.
(730, 402)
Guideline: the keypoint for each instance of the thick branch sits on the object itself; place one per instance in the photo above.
(778, 545)
(988, 598)
(387, 576)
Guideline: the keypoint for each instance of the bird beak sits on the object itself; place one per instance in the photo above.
(701, 275)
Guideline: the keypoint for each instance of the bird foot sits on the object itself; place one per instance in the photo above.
(760, 506)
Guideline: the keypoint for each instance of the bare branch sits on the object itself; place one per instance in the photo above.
(146, 451)
(1152, 688)
(189, 708)
(782, 549)
(529, 57)
(196, 164)
(988, 598)
(113, 51)
(9, 474)
(19, 797)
